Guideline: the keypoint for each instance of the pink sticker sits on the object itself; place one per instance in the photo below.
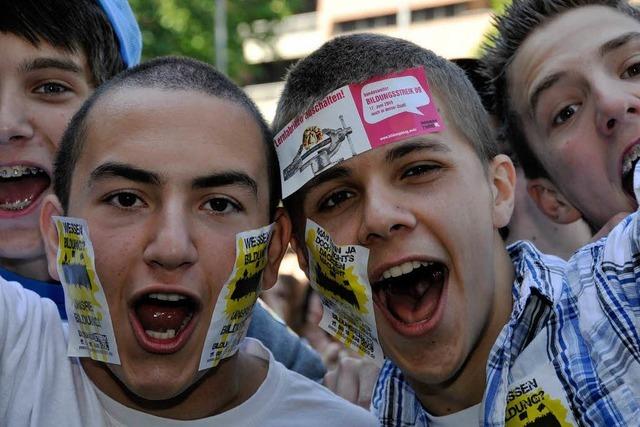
(396, 106)
(354, 119)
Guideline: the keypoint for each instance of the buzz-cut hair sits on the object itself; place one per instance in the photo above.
(78, 26)
(518, 21)
(359, 57)
(169, 74)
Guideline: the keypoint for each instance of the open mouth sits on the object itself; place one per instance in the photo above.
(410, 294)
(628, 166)
(21, 186)
(164, 321)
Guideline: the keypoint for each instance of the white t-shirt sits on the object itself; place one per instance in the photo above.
(464, 418)
(41, 386)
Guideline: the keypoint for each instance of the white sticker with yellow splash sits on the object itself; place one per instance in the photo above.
(339, 275)
(538, 400)
(232, 313)
(90, 330)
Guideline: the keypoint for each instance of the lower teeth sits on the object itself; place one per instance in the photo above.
(170, 333)
(17, 205)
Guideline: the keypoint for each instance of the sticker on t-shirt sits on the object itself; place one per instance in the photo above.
(232, 313)
(354, 119)
(538, 400)
(90, 329)
(339, 275)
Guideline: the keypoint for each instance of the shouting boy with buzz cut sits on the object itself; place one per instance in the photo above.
(566, 97)
(55, 54)
(163, 228)
(473, 333)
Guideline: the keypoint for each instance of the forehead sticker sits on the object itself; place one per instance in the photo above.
(234, 307)
(339, 275)
(90, 329)
(354, 119)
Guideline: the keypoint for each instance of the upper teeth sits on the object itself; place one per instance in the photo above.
(18, 171)
(404, 268)
(631, 157)
(167, 297)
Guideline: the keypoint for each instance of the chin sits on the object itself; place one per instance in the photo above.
(156, 384)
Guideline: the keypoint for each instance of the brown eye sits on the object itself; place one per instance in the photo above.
(221, 205)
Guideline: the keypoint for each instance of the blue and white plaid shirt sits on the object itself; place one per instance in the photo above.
(574, 325)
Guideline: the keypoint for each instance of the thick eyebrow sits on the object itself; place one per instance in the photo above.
(619, 41)
(546, 84)
(43, 63)
(413, 146)
(122, 170)
(335, 172)
(226, 178)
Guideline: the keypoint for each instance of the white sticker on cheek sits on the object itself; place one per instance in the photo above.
(90, 329)
(339, 275)
(232, 313)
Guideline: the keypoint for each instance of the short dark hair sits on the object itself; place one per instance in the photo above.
(358, 57)
(73, 26)
(165, 73)
(520, 20)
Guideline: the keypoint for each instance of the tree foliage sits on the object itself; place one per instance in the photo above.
(178, 27)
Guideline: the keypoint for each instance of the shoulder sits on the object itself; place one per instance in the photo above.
(293, 397)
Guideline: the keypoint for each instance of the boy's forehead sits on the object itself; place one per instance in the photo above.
(130, 122)
(20, 51)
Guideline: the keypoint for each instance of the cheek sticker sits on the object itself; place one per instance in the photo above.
(90, 329)
(354, 119)
(232, 313)
(339, 275)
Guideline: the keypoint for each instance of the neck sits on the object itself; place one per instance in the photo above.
(33, 268)
(215, 391)
(467, 387)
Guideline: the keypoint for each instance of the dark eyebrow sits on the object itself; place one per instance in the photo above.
(619, 41)
(122, 170)
(43, 63)
(416, 145)
(226, 178)
(543, 86)
(332, 173)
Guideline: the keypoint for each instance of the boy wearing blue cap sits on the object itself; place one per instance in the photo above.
(55, 53)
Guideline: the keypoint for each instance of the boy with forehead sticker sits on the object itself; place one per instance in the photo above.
(55, 54)
(567, 100)
(168, 166)
(473, 333)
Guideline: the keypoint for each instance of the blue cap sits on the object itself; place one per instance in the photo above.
(126, 28)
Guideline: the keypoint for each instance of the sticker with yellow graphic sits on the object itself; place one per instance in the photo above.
(538, 401)
(90, 329)
(232, 313)
(339, 275)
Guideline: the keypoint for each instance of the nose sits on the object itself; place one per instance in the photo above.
(15, 124)
(171, 245)
(615, 104)
(384, 214)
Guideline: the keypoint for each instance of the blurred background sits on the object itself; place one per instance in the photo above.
(255, 41)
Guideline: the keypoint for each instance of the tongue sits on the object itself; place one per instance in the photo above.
(27, 187)
(159, 317)
(412, 304)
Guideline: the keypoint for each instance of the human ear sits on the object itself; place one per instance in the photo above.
(277, 248)
(50, 207)
(551, 202)
(503, 184)
(300, 250)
